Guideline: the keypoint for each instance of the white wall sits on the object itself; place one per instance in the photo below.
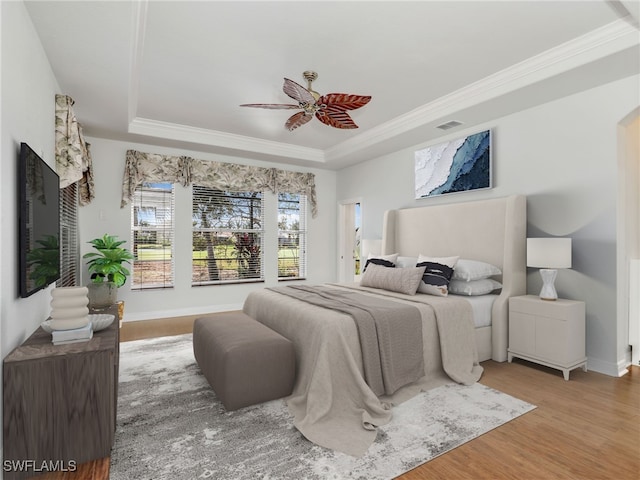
(28, 89)
(562, 155)
(28, 115)
(104, 215)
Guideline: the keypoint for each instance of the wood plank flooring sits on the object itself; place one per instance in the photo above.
(157, 328)
(587, 428)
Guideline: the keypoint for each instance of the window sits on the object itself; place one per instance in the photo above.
(152, 230)
(227, 236)
(69, 250)
(292, 236)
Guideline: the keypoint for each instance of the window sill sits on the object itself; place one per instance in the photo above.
(227, 282)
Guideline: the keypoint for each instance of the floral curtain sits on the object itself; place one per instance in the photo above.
(73, 156)
(149, 167)
(231, 176)
(297, 182)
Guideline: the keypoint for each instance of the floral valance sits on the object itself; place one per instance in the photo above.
(73, 157)
(150, 167)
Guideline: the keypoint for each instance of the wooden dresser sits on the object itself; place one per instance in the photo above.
(60, 401)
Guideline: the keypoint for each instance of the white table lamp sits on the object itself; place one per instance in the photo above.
(549, 254)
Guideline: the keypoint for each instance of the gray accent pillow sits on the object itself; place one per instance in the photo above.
(401, 280)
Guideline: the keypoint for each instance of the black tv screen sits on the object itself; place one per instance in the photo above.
(39, 222)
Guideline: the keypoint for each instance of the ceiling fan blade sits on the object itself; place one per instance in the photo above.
(335, 118)
(271, 106)
(344, 101)
(297, 92)
(297, 120)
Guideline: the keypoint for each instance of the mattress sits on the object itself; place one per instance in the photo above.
(482, 306)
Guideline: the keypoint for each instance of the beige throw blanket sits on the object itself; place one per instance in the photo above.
(390, 333)
(331, 403)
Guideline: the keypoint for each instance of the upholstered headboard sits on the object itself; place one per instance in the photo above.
(492, 231)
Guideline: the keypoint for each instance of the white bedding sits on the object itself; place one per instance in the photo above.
(331, 403)
(482, 306)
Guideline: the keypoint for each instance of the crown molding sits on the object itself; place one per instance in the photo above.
(607, 40)
(186, 133)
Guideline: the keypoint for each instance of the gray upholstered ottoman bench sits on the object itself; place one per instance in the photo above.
(244, 361)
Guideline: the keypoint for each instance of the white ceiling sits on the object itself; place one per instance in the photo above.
(175, 72)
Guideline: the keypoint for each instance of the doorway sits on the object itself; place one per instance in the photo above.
(629, 235)
(349, 230)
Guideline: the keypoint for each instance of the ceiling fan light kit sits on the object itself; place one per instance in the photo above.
(330, 109)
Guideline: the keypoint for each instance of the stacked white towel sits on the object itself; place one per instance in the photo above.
(69, 309)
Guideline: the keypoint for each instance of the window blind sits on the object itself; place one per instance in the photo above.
(152, 232)
(228, 236)
(292, 236)
(69, 248)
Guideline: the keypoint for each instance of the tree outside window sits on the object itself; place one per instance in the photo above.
(292, 236)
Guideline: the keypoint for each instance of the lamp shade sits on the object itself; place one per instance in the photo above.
(549, 252)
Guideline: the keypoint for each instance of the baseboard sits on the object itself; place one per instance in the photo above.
(623, 367)
(607, 368)
(180, 312)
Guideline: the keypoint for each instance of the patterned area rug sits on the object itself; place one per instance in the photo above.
(171, 425)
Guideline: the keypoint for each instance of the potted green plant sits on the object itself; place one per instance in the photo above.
(107, 269)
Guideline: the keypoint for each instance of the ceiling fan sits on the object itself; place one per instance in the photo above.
(330, 109)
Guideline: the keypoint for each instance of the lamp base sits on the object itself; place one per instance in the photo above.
(548, 291)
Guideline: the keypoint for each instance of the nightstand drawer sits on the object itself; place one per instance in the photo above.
(559, 309)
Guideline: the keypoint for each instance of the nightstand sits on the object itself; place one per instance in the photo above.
(551, 333)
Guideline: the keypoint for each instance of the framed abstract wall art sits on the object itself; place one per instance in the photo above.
(456, 166)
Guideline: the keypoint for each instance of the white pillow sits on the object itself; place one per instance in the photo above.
(404, 262)
(474, 287)
(469, 270)
(402, 280)
(384, 260)
(437, 274)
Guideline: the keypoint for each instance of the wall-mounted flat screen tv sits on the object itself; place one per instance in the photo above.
(39, 222)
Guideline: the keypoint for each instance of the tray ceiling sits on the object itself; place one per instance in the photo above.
(175, 73)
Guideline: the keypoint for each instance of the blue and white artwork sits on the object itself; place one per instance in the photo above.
(456, 166)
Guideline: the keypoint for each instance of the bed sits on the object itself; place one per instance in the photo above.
(492, 231)
(332, 403)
